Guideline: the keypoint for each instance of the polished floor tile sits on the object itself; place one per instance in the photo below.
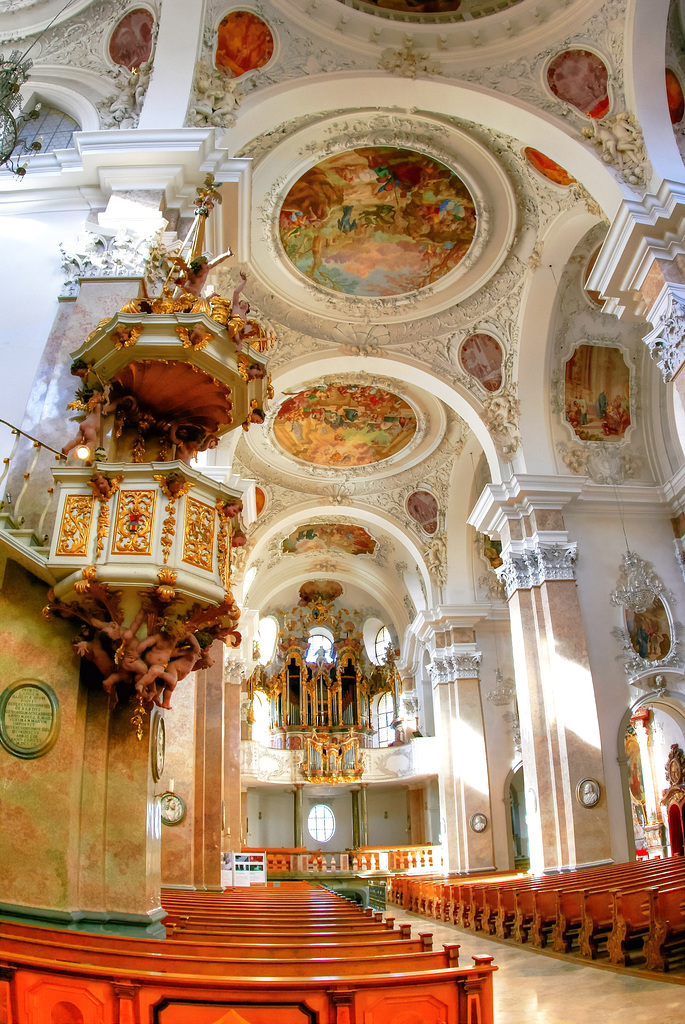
(532, 988)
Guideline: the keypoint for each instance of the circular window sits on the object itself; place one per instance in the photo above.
(321, 823)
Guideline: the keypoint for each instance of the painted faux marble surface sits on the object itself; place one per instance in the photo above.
(541, 989)
(377, 221)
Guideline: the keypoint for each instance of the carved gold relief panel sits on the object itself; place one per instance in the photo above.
(135, 519)
(198, 534)
(74, 529)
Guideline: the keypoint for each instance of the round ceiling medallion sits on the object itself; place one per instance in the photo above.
(344, 425)
(416, 7)
(377, 222)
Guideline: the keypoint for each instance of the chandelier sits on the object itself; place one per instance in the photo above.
(637, 585)
(14, 71)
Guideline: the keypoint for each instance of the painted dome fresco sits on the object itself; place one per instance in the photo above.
(344, 425)
(377, 222)
(430, 10)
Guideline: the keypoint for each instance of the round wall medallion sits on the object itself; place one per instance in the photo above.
(157, 746)
(478, 822)
(29, 718)
(173, 809)
(587, 792)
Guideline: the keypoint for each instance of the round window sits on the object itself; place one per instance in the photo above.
(321, 823)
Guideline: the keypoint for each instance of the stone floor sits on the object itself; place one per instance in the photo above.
(535, 988)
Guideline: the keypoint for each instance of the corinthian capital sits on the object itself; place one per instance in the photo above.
(667, 343)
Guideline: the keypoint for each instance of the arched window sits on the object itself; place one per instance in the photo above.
(321, 823)
(268, 634)
(53, 127)
(383, 638)
(319, 640)
(384, 716)
(260, 726)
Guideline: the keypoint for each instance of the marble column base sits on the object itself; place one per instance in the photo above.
(148, 926)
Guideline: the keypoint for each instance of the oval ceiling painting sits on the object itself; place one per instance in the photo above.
(344, 425)
(244, 42)
(412, 6)
(131, 42)
(547, 167)
(422, 506)
(377, 221)
(580, 78)
(481, 356)
(674, 94)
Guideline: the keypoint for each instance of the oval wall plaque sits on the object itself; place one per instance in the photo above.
(29, 718)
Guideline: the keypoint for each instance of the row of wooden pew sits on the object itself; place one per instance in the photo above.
(633, 914)
(293, 953)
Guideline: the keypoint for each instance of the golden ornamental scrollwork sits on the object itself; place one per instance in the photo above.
(134, 522)
(125, 336)
(227, 510)
(198, 534)
(172, 487)
(103, 487)
(74, 529)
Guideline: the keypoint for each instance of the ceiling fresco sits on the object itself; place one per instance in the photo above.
(353, 540)
(547, 167)
(131, 42)
(377, 221)
(319, 590)
(430, 10)
(244, 42)
(344, 425)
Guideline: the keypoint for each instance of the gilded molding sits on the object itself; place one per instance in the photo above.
(134, 522)
(198, 534)
(74, 529)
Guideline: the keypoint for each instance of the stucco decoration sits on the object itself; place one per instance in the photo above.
(409, 62)
(537, 563)
(619, 143)
(214, 99)
(666, 342)
(344, 425)
(603, 463)
(121, 109)
(130, 44)
(377, 221)
(500, 415)
(244, 42)
(123, 255)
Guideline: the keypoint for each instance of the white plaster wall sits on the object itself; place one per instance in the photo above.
(600, 547)
(390, 831)
(340, 802)
(275, 827)
(30, 270)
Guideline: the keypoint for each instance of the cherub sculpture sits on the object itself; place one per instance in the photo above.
(89, 428)
(194, 274)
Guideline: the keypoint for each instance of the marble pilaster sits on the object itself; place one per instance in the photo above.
(298, 815)
(560, 738)
(209, 741)
(354, 793)
(463, 779)
(231, 819)
(363, 816)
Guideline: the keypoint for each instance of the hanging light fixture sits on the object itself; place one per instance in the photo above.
(638, 586)
(14, 71)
